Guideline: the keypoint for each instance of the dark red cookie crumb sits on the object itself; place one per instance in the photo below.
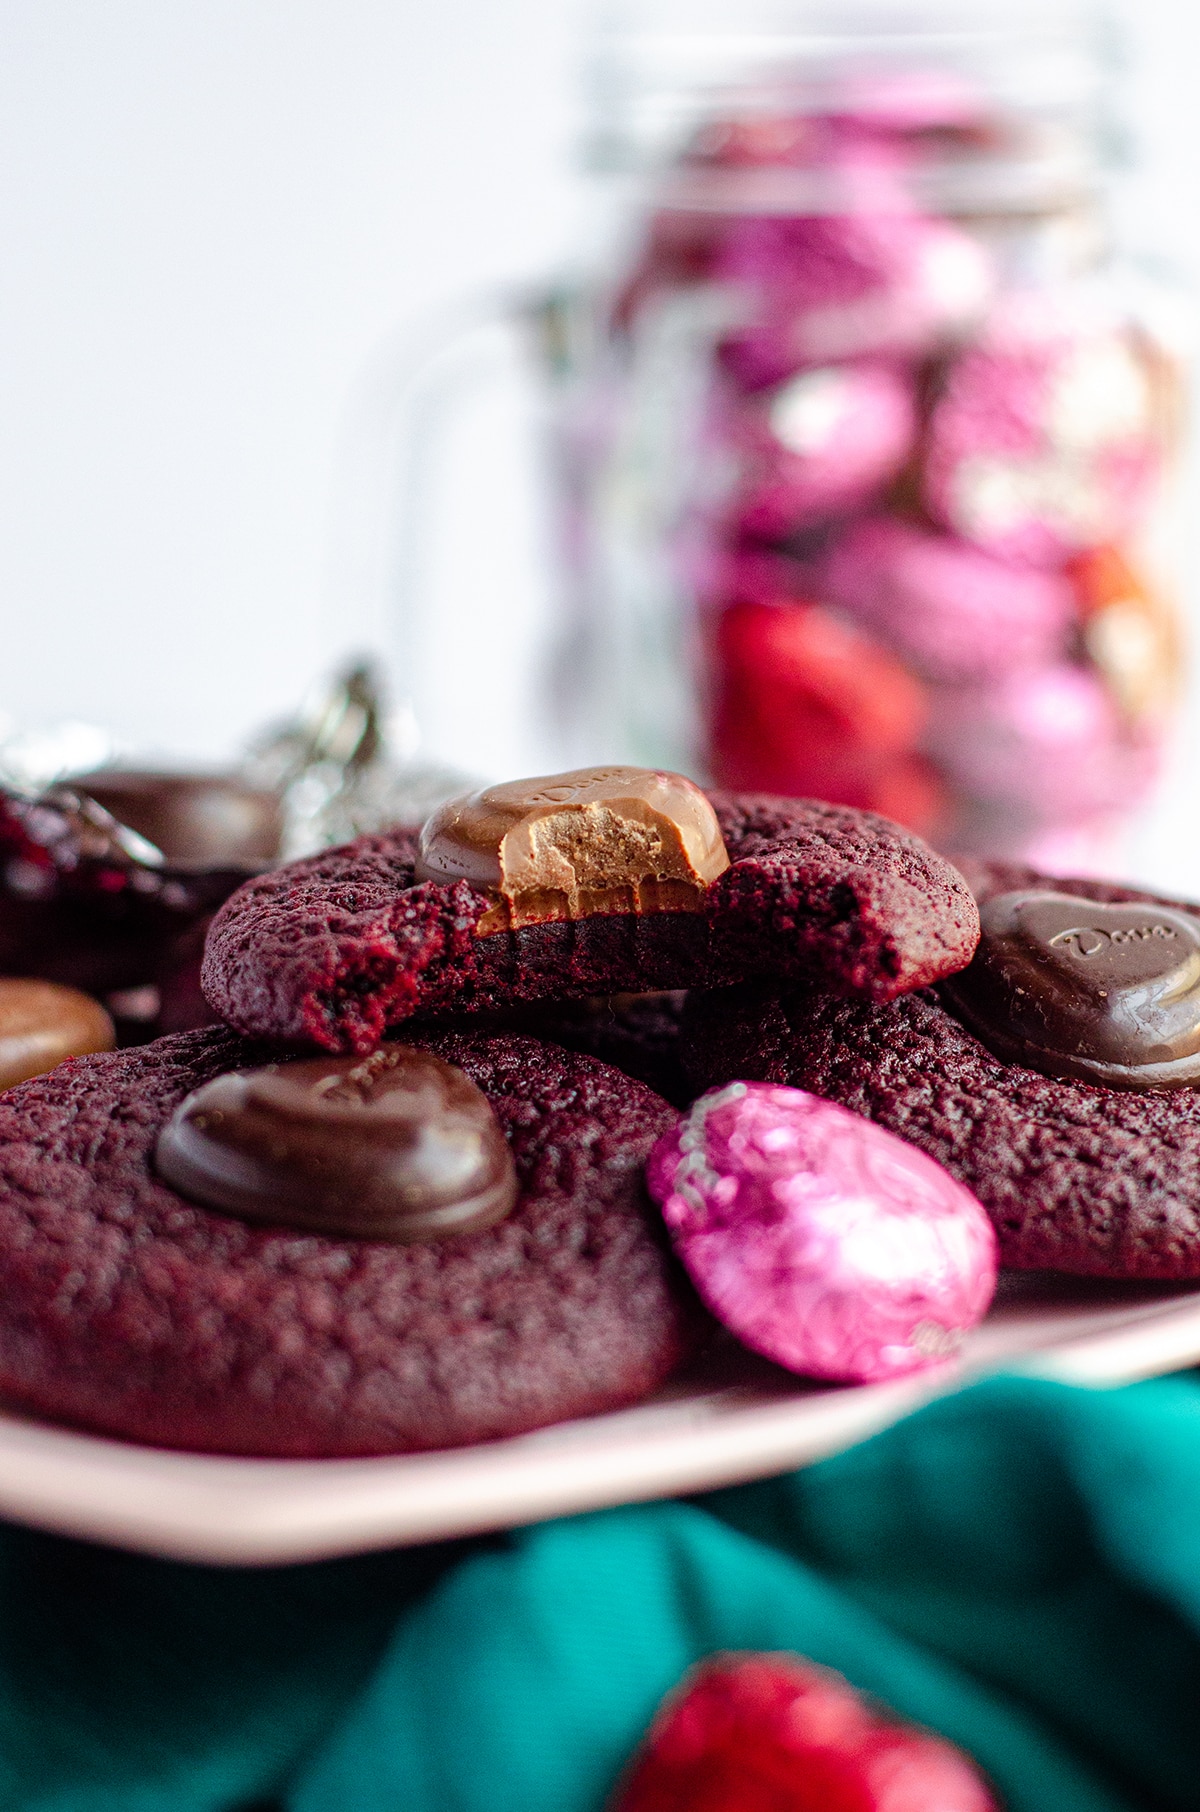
(826, 891)
(1076, 1177)
(127, 1309)
(773, 1733)
(335, 950)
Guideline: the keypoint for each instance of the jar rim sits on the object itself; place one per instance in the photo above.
(661, 72)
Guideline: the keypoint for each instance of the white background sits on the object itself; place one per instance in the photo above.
(218, 219)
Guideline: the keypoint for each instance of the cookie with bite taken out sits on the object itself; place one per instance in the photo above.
(600, 881)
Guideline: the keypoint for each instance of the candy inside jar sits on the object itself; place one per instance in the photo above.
(872, 507)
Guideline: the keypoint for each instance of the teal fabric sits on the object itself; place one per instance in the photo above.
(1017, 1566)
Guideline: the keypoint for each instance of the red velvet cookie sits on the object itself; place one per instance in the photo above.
(1077, 1176)
(128, 1309)
(335, 950)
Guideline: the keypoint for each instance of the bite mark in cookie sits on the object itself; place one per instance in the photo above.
(337, 950)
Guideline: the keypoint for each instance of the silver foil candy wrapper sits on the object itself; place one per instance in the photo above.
(344, 768)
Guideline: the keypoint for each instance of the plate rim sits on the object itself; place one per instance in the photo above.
(231, 1510)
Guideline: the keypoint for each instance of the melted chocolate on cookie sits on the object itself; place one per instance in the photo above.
(397, 1146)
(569, 845)
(1075, 988)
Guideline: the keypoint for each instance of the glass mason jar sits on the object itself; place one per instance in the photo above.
(863, 434)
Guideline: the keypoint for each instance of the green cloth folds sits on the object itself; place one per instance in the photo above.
(1016, 1566)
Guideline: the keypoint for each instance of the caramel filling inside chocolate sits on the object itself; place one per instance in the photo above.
(567, 846)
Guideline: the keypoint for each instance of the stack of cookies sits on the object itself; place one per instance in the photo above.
(398, 1198)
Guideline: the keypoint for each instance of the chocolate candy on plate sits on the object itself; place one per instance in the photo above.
(1103, 992)
(86, 901)
(596, 840)
(214, 820)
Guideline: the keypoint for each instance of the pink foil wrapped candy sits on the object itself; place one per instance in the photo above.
(819, 1239)
(1046, 438)
(725, 573)
(1047, 740)
(826, 441)
(824, 287)
(952, 611)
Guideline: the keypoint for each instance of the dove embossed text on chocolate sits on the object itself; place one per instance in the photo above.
(1072, 987)
(566, 846)
(397, 1146)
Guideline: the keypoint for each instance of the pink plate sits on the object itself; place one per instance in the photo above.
(735, 1418)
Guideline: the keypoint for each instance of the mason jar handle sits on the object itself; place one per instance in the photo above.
(416, 382)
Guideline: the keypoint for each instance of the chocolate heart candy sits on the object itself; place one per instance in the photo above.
(397, 1146)
(1107, 994)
